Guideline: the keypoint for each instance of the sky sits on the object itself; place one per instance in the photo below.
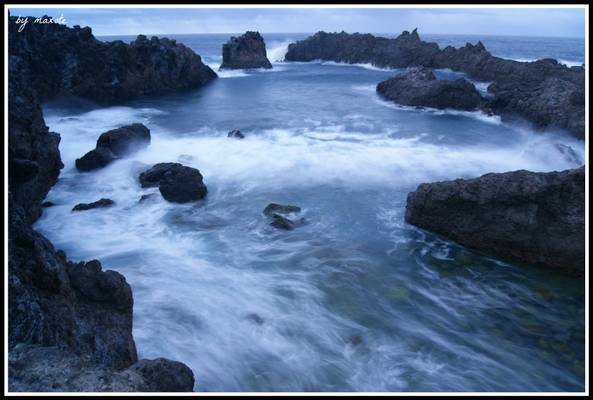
(554, 22)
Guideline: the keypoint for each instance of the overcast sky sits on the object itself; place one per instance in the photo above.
(485, 21)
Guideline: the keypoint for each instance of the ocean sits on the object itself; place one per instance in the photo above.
(353, 300)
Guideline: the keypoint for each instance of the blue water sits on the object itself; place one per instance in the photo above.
(355, 299)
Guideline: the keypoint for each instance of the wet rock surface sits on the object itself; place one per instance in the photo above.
(237, 134)
(531, 217)
(245, 52)
(419, 87)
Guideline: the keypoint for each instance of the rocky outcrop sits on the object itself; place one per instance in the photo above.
(57, 60)
(70, 324)
(177, 183)
(543, 92)
(114, 144)
(419, 87)
(536, 218)
(279, 213)
(236, 134)
(245, 52)
(102, 203)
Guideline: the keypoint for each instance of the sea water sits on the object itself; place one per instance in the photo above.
(353, 300)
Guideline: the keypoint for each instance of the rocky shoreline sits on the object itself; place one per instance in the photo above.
(71, 323)
(544, 92)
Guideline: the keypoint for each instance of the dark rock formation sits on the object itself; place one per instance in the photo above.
(125, 140)
(102, 203)
(544, 92)
(177, 183)
(114, 144)
(49, 369)
(70, 324)
(419, 87)
(536, 218)
(245, 52)
(57, 60)
(97, 158)
(237, 134)
(274, 208)
(278, 213)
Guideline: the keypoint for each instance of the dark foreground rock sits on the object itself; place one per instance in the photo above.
(536, 218)
(245, 52)
(102, 203)
(419, 87)
(274, 208)
(235, 133)
(176, 182)
(70, 324)
(114, 144)
(544, 92)
(49, 369)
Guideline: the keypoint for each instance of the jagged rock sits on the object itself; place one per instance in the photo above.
(274, 208)
(96, 204)
(33, 368)
(237, 134)
(245, 52)
(125, 140)
(177, 183)
(532, 217)
(97, 158)
(544, 92)
(419, 87)
(58, 60)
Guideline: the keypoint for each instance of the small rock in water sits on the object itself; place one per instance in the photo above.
(146, 197)
(235, 133)
(281, 222)
(46, 204)
(177, 183)
(274, 208)
(96, 204)
(255, 318)
(95, 159)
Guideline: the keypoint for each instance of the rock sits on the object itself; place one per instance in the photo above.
(152, 176)
(96, 204)
(95, 159)
(274, 208)
(536, 218)
(46, 204)
(544, 92)
(146, 197)
(245, 52)
(235, 133)
(280, 222)
(125, 140)
(34, 368)
(177, 183)
(59, 60)
(419, 87)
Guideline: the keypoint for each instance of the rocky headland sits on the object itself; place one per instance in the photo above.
(532, 217)
(544, 92)
(71, 323)
(247, 51)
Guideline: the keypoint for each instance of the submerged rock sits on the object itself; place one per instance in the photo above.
(420, 87)
(255, 318)
(280, 222)
(147, 197)
(532, 217)
(273, 208)
(177, 183)
(245, 52)
(235, 133)
(96, 204)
